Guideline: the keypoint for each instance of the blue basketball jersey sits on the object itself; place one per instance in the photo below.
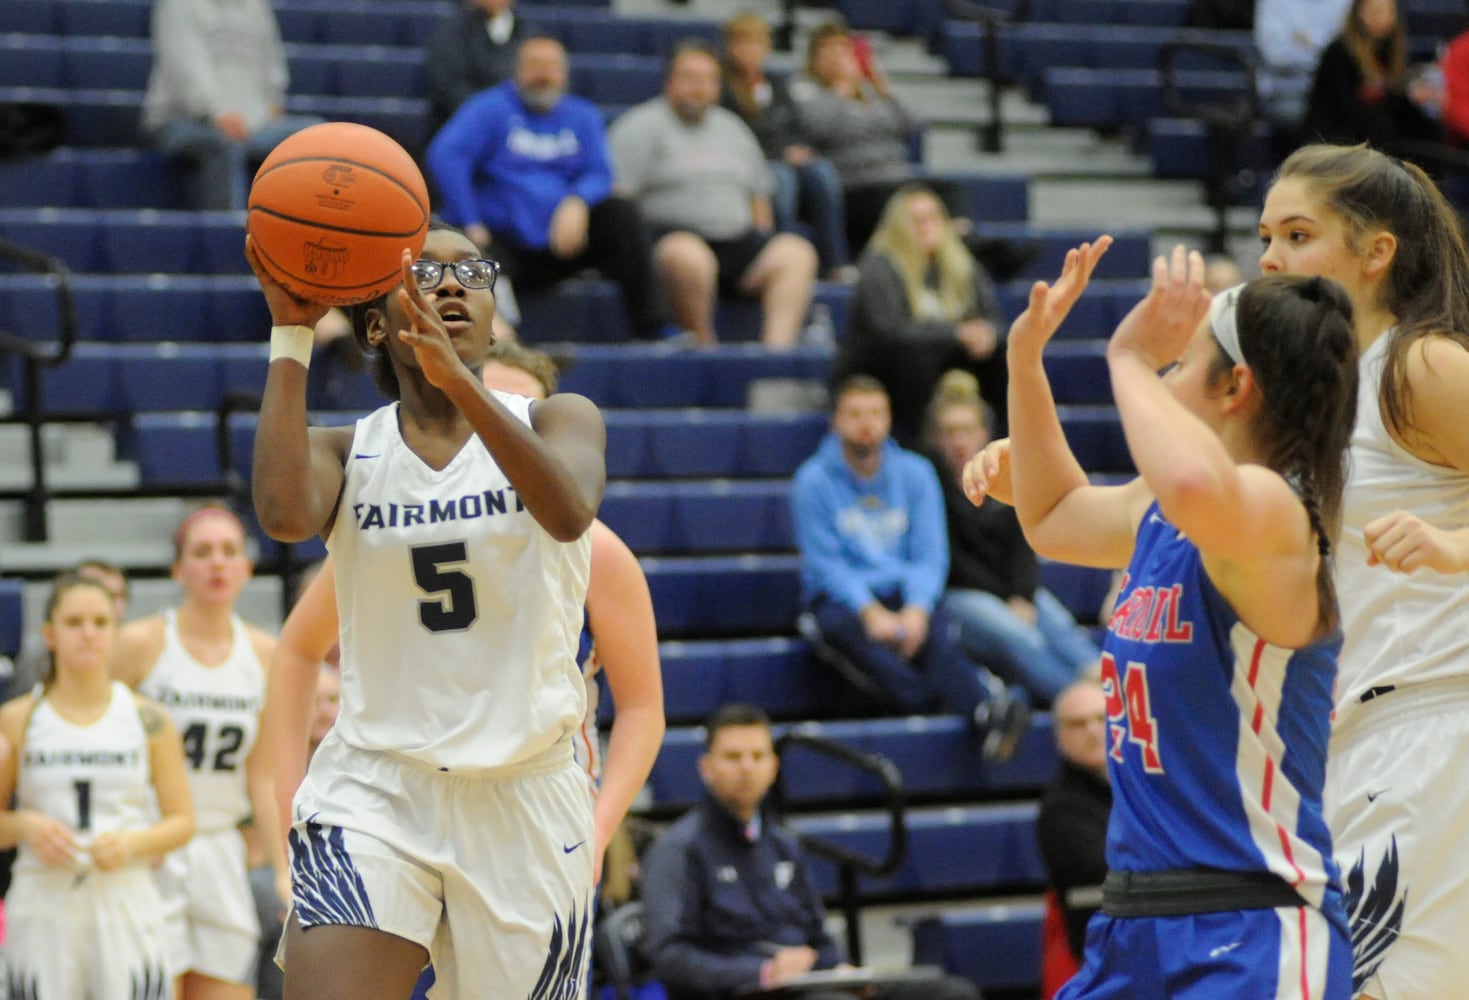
(1216, 738)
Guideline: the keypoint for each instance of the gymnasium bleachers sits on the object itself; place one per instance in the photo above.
(171, 327)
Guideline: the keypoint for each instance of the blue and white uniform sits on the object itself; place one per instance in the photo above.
(79, 932)
(1217, 753)
(1396, 799)
(445, 806)
(212, 923)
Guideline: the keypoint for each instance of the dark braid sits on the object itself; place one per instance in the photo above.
(1296, 336)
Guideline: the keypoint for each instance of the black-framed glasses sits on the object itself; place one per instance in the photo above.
(477, 273)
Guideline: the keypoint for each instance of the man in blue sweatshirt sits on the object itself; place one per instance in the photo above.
(869, 521)
(523, 168)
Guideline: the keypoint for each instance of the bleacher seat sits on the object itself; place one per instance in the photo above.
(11, 617)
(776, 672)
(997, 945)
(701, 516)
(90, 178)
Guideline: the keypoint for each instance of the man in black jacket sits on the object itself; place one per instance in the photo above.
(731, 907)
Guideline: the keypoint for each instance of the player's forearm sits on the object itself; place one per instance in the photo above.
(168, 834)
(637, 735)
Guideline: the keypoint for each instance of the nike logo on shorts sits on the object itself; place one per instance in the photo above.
(568, 850)
(360, 455)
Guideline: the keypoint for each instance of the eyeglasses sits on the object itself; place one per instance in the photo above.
(476, 273)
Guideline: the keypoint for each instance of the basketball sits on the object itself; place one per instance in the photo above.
(331, 210)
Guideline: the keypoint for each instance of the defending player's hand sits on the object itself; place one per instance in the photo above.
(1050, 304)
(285, 309)
(426, 333)
(51, 840)
(987, 474)
(1404, 543)
(1158, 328)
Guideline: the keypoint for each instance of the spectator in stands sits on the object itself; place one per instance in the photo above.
(1072, 823)
(472, 49)
(702, 183)
(848, 110)
(1006, 619)
(869, 521)
(806, 185)
(1289, 38)
(1361, 92)
(922, 306)
(524, 169)
(32, 662)
(736, 909)
(1221, 272)
(217, 93)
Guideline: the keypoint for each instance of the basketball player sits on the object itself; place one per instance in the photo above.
(100, 792)
(206, 667)
(1396, 801)
(620, 639)
(1219, 658)
(444, 815)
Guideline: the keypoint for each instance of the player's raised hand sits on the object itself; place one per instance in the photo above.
(426, 332)
(987, 474)
(1158, 328)
(286, 309)
(1050, 304)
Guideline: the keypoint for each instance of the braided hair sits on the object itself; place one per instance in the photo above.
(1296, 336)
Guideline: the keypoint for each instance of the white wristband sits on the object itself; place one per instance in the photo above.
(292, 342)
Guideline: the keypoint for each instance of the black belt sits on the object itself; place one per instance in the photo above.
(1193, 890)
(1377, 692)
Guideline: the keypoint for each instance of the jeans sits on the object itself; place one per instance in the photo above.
(813, 192)
(224, 168)
(1042, 658)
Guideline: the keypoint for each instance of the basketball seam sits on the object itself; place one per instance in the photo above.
(356, 163)
(313, 224)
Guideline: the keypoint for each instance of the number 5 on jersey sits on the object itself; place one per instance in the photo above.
(1130, 712)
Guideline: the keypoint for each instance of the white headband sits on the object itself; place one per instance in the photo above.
(1222, 323)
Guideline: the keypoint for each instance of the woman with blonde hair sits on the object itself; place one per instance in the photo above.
(922, 306)
(1007, 620)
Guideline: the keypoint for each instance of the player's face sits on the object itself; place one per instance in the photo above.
(1081, 727)
(926, 222)
(213, 565)
(960, 434)
(468, 313)
(81, 628)
(510, 379)
(862, 420)
(1301, 234)
(115, 583)
(739, 767)
(1188, 379)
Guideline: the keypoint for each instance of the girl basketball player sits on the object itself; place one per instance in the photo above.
(1396, 802)
(1219, 658)
(206, 667)
(444, 815)
(92, 767)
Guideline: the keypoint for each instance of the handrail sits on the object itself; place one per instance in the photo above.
(852, 863)
(34, 356)
(990, 19)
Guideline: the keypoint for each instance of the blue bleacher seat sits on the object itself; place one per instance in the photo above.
(687, 443)
(776, 672)
(716, 596)
(112, 18)
(997, 946)
(704, 516)
(11, 616)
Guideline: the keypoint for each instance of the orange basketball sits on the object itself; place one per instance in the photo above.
(332, 209)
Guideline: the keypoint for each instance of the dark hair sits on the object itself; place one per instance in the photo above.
(857, 383)
(384, 376)
(736, 713)
(684, 46)
(1296, 337)
(1427, 289)
(61, 585)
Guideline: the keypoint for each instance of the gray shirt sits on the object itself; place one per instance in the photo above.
(215, 56)
(866, 141)
(697, 177)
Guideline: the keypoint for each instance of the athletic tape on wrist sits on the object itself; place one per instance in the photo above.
(292, 342)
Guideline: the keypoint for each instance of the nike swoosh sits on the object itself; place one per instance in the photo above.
(568, 850)
(1372, 796)
(1223, 949)
(360, 455)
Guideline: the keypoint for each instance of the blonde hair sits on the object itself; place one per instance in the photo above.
(956, 388)
(894, 238)
(743, 25)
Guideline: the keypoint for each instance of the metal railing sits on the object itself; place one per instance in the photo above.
(35, 355)
(991, 18)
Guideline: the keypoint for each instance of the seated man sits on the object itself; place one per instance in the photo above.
(523, 167)
(701, 180)
(736, 910)
(869, 521)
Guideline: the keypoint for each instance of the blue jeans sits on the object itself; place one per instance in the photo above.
(939, 675)
(224, 168)
(812, 192)
(1042, 658)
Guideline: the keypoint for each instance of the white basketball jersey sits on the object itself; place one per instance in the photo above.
(459, 613)
(1400, 628)
(94, 778)
(217, 712)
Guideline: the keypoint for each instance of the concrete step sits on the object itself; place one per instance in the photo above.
(100, 522)
(1036, 151)
(78, 456)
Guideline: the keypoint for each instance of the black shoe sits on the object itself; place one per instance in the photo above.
(1006, 719)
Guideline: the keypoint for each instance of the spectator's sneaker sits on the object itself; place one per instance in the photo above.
(1004, 717)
